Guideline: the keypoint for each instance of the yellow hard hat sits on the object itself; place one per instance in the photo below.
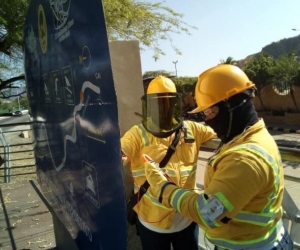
(219, 84)
(161, 84)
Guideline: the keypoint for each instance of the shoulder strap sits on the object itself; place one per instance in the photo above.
(164, 161)
(171, 149)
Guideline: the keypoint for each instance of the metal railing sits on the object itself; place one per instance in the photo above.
(17, 153)
(6, 156)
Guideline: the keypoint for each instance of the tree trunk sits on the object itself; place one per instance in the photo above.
(261, 102)
(293, 98)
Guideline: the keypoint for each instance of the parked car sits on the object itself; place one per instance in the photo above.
(17, 113)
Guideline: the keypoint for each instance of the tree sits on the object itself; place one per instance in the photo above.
(145, 21)
(259, 71)
(12, 18)
(152, 74)
(187, 84)
(24, 102)
(186, 87)
(7, 107)
(125, 19)
(286, 72)
(229, 60)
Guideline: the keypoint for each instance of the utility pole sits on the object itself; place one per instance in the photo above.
(18, 99)
(175, 62)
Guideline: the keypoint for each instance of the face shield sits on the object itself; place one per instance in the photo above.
(162, 113)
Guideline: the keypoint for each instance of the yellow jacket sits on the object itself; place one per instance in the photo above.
(246, 175)
(181, 167)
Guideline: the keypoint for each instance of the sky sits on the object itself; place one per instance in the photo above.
(225, 28)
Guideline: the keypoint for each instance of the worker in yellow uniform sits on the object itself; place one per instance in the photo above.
(241, 206)
(161, 227)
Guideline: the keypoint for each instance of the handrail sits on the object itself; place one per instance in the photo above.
(6, 157)
(15, 124)
(11, 151)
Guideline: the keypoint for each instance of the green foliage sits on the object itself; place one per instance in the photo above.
(229, 60)
(12, 13)
(24, 102)
(259, 70)
(7, 106)
(155, 73)
(145, 21)
(283, 73)
(286, 69)
(14, 105)
(185, 85)
(12, 17)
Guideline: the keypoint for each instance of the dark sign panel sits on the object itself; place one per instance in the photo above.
(74, 108)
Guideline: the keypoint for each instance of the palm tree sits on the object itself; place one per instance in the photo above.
(229, 60)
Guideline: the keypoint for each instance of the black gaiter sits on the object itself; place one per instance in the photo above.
(234, 116)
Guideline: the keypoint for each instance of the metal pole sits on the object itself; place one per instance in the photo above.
(175, 62)
(18, 100)
(6, 150)
(8, 177)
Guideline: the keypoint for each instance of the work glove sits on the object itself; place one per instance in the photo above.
(160, 182)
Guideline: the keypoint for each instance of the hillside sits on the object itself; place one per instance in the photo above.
(283, 47)
(276, 49)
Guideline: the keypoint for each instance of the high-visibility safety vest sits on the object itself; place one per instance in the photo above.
(182, 166)
(249, 228)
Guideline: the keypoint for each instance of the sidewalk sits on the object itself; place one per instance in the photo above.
(283, 128)
(25, 222)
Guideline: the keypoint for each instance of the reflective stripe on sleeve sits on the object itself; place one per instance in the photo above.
(145, 138)
(177, 198)
(259, 219)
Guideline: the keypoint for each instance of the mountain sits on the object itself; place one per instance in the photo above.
(276, 49)
(283, 47)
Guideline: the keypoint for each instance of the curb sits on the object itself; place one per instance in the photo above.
(287, 130)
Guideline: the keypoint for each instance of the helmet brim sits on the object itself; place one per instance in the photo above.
(196, 110)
